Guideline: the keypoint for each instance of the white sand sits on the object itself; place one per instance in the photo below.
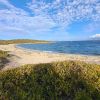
(23, 56)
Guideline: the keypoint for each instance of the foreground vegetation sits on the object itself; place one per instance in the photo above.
(51, 81)
(3, 58)
(17, 41)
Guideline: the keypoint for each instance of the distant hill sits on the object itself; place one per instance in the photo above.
(17, 41)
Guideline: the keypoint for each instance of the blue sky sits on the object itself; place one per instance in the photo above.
(50, 19)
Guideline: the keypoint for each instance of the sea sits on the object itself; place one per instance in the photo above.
(67, 47)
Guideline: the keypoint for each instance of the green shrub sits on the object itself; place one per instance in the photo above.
(3, 54)
(82, 96)
(3, 58)
(51, 81)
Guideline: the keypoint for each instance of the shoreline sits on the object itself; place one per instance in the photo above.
(51, 52)
(22, 56)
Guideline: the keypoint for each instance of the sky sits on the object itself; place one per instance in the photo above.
(59, 20)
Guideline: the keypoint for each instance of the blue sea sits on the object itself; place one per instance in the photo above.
(67, 47)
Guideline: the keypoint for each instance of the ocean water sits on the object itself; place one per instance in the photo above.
(67, 47)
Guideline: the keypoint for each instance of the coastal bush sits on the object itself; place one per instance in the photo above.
(3, 58)
(3, 54)
(52, 81)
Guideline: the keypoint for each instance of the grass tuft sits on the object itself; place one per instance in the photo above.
(3, 58)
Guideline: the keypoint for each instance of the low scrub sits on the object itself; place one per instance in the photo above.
(3, 58)
(3, 54)
(51, 81)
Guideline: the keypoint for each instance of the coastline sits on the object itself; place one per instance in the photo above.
(17, 46)
(21, 56)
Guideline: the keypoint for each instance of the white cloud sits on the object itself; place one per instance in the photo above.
(96, 36)
(46, 15)
(6, 3)
(12, 18)
(67, 11)
(11, 8)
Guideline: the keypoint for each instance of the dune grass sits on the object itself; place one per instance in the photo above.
(51, 81)
(18, 41)
(3, 58)
(3, 54)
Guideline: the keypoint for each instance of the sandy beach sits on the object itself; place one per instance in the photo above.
(21, 56)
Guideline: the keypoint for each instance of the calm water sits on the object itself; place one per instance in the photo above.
(69, 47)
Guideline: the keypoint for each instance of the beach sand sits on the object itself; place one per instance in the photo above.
(22, 56)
